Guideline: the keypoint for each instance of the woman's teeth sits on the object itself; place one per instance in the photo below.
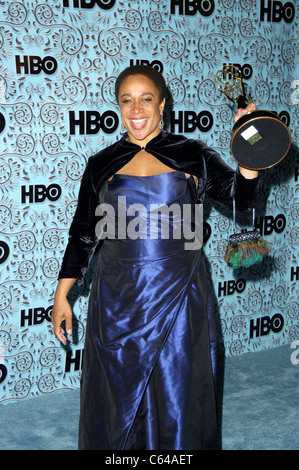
(138, 123)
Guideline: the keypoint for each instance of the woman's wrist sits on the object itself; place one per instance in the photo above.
(63, 288)
(248, 174)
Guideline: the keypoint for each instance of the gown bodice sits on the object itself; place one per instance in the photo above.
(148, 215)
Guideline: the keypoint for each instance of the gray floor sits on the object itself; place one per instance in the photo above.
(259, 404)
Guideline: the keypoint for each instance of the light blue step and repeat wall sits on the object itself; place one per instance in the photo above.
(58, 63)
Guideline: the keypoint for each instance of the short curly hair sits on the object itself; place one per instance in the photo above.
(146, 70)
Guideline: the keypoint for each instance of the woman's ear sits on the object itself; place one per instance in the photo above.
(161, 106)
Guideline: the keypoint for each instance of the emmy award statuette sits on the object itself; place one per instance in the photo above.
(259, 139)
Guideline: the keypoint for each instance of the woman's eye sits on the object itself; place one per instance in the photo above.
(129, 101)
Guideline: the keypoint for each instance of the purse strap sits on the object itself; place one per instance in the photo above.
(234, 215)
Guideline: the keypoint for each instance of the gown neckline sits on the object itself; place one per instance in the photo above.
(124, 175)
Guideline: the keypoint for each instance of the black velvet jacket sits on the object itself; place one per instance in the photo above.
(215, 178)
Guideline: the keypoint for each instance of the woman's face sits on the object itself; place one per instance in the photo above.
(140, 108)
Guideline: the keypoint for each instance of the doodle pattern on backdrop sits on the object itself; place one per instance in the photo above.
(58, 63)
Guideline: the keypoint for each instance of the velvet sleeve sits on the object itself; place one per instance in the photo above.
(224, 184)
(82, 238)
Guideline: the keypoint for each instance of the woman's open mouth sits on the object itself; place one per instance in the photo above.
(138, 124)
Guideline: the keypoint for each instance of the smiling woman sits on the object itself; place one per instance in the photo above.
(141, 109)
(149, 373)
(141, 97)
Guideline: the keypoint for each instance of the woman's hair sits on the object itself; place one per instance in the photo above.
(146, 70)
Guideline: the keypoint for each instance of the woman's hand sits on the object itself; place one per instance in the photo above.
(241, 112)
(62, 311)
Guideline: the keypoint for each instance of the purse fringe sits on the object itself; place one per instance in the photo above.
(246, 253)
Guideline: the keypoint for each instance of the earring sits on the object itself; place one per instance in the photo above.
(122, 128)
(161, 124)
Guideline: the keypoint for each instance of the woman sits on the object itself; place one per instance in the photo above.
(148, 380)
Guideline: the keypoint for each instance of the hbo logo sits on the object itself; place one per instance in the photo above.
(230, 287)
(40, 192)
(2, 122)
(191, 7)
(3, 373)
(34, 65)
(267, 224)
(245, 70)
(4, 251)
(104, 4)
(275, 11)
(263, 326)
(91, 122)
(36, 316)
(155, 64)
(189, 121)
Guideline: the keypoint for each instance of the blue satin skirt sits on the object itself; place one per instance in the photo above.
(148, 379)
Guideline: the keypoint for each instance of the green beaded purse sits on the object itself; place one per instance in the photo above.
(245, 248)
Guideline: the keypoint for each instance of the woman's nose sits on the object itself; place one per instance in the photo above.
(137, 106)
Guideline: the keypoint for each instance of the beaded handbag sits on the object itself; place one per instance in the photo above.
(245, 248)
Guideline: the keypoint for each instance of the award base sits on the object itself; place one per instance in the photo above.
(260, 140)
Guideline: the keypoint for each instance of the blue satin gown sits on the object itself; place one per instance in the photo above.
(148, 380)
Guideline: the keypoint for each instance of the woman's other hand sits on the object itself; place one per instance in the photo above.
(242, 112)
(62, 311)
